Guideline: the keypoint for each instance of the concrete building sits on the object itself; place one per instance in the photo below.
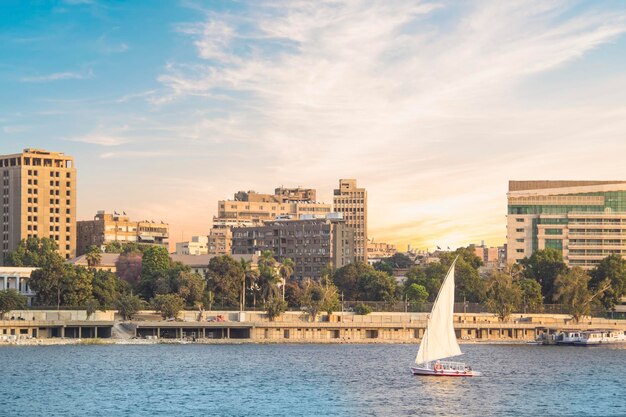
(249, 208)
(312, 244)
(585, 220)
(16, 278)
(108, 262)
(198, 245)
(107, 228)
(351, 201)
(379, 250)
(38, 199)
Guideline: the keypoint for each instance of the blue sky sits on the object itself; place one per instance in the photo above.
(168, 106)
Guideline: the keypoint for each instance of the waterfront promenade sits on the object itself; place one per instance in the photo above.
(41, 327)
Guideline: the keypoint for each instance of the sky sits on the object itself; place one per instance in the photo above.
(433, 106)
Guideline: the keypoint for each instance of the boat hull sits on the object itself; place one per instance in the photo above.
(443, 372)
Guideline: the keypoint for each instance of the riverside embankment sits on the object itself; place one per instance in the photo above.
(35, 327)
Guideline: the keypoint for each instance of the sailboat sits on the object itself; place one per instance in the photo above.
(439, 341)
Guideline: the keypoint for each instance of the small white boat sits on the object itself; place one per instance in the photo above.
(601, 337)
(439, 341)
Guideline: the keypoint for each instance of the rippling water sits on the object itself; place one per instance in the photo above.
(306, 380)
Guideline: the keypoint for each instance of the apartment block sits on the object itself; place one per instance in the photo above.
(585, 220)
(380, 250)
(351, 201)
(38, 199)
(312, 244)
(107, 228)
(198, 245)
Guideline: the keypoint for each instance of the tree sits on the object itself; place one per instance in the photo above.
(91, 306)
(571, 288)
(317, 297)
(225, 278)
(532, 299)
(377, 286)
(503, 295)
(250, 279)
(613, 269)
(77, 285)
(399, 260)
(128, 305)
(469, 286)
(416, 293)
(430, 277)
(346, 278)
(107, 288)
(191, 287)
(35, 252)
(154, 263)
(268, 276)
(285, 271)
(169, 305)
(128, 267)
(11, 300)
(49, 283)
(93, 256)
(275, 306)
(544, 266)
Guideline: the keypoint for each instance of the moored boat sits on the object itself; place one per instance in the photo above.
(601, 337)
(568, 337)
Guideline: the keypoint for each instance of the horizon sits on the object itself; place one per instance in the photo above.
(204, 100)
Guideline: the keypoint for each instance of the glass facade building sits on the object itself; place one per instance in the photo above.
(585, 220)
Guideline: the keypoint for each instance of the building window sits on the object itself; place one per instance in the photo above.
(519, 230)
(519, 240)
(519, 250)
(519, 220)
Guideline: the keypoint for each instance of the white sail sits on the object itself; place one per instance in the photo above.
(439, 340)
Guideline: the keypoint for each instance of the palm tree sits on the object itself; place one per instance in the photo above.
(285, 270)
(250, 276)
(93, 256)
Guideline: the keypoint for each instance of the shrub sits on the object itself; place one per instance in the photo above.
(362, 309)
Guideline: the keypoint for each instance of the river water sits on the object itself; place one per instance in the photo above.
(307, 380)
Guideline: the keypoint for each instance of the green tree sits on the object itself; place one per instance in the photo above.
(275, 306)
(430, 277)
(503, 295)
(128, 305)
(107, 288)
(35, 252)
(571, 288)
(49, 283)
(77, 286)
(91, 306)
(416, 293)
(611, 269)
(268, 276)
(11, 300)
(399, 260)
(169, 305)
(225, 278)
(531, 295)
(93, 256)
(285, 271)
(155, 262)
(347, 277)
(191, 287)
(377, 286)
(318, 297)
(468, 284)
(544, 266)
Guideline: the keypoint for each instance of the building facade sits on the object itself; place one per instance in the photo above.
(16, 278)
(379, 250)
(38, 199)
(107, 228)
(351, 201)
(312, 244)
(585, 220)
(198, 245)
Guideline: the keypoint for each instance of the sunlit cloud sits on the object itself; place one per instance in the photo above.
(57, 76)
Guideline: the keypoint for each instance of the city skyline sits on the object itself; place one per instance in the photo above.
(248, 97)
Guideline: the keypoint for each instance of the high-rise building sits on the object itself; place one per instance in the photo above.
(107, 228)
(38, 199)
(585, 220)
(312, 244)
(352, 202)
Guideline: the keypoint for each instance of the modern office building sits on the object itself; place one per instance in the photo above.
(312, 243)
(585, 220)
(198, 245)
(107, 228)
(38, 199)
(351, 201)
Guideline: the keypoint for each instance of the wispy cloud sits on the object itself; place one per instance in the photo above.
(57, 76)
(402, 95)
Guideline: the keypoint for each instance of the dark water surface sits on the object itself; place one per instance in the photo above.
(306, 380)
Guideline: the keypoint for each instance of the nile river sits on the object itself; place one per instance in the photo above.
(307, 380)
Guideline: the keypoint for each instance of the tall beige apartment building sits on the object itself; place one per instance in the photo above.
(249, 208)
(38, 199)
(584, 220)
(352, 202)
(106, 228)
